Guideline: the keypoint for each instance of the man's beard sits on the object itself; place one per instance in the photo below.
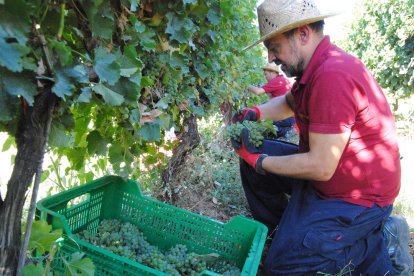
(292, 70)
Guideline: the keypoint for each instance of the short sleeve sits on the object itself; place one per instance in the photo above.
(277, 86)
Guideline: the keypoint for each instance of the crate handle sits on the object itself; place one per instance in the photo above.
(82, 199)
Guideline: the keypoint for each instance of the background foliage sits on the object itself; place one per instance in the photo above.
(382, 35)
(124, 71)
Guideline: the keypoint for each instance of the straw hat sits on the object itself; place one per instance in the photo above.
(279, 16)
(272, 67)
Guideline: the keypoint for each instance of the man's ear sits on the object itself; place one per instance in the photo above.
(304, 34)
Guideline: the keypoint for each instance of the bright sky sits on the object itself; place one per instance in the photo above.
(334, 25)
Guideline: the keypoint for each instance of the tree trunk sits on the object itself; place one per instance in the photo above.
(189, 141)
(30, 139)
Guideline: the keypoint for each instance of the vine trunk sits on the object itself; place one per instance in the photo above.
(189, 140)
(30, 139)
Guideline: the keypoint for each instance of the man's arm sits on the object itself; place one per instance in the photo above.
(318, 164)
(256, 90)
(277, 108)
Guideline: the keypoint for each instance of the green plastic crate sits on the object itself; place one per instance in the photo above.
(241, 240)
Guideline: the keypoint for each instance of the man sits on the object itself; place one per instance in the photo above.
(346, 175)
(277, 85)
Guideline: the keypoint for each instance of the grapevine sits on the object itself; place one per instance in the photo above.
(258, 131)
(126, 240)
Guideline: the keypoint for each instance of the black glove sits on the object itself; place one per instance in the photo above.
(246, 114)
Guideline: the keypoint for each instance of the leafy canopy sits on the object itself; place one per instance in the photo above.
(125, 71)
(382, 35)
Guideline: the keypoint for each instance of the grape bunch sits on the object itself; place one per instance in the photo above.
(126, 240)
(225, 268)
(171, 85)
(153, 65)
(234, 132)
(258, 131)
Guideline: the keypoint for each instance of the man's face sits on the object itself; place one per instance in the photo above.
(284, 51)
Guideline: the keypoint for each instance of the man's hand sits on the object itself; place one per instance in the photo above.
(247, 151)
(249, 114)
(256, 90)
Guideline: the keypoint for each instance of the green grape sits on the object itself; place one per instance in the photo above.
(234, 132)
(172, 86)
(153, 65)
(126, 240)
(258, 131)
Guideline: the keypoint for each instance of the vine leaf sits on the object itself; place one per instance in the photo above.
(79, 265)
(106, 66)
(128, 72)
(14, 21)
(96, 143)
(65, 79)
(213, 16)
(146, 39)
(8, 106)
(11, 55)
(8, 143)
(63, 86)
(64, 52)
(18, 85)
(128, 88)
(116, 153)
(110, 96)
(180, 29)
(76, 157)
(42, 237)
(128, 65)
(150, 132)
(85, 96)
(201, 70)
(192, 2)
(101, 18)
(34, 269)
(180, 61)
(58, 136)
(29, 64)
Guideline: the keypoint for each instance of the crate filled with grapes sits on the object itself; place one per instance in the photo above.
(127, 233)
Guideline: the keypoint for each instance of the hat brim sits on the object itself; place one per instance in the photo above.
(270, 69)
(290, 27)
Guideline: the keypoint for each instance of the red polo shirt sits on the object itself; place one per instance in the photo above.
(277, 86)
(337, 93)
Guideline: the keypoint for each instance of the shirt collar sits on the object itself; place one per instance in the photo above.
(316, 59)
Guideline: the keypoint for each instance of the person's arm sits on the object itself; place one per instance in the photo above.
(278, 108)
(256, 90)
(318, 164)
